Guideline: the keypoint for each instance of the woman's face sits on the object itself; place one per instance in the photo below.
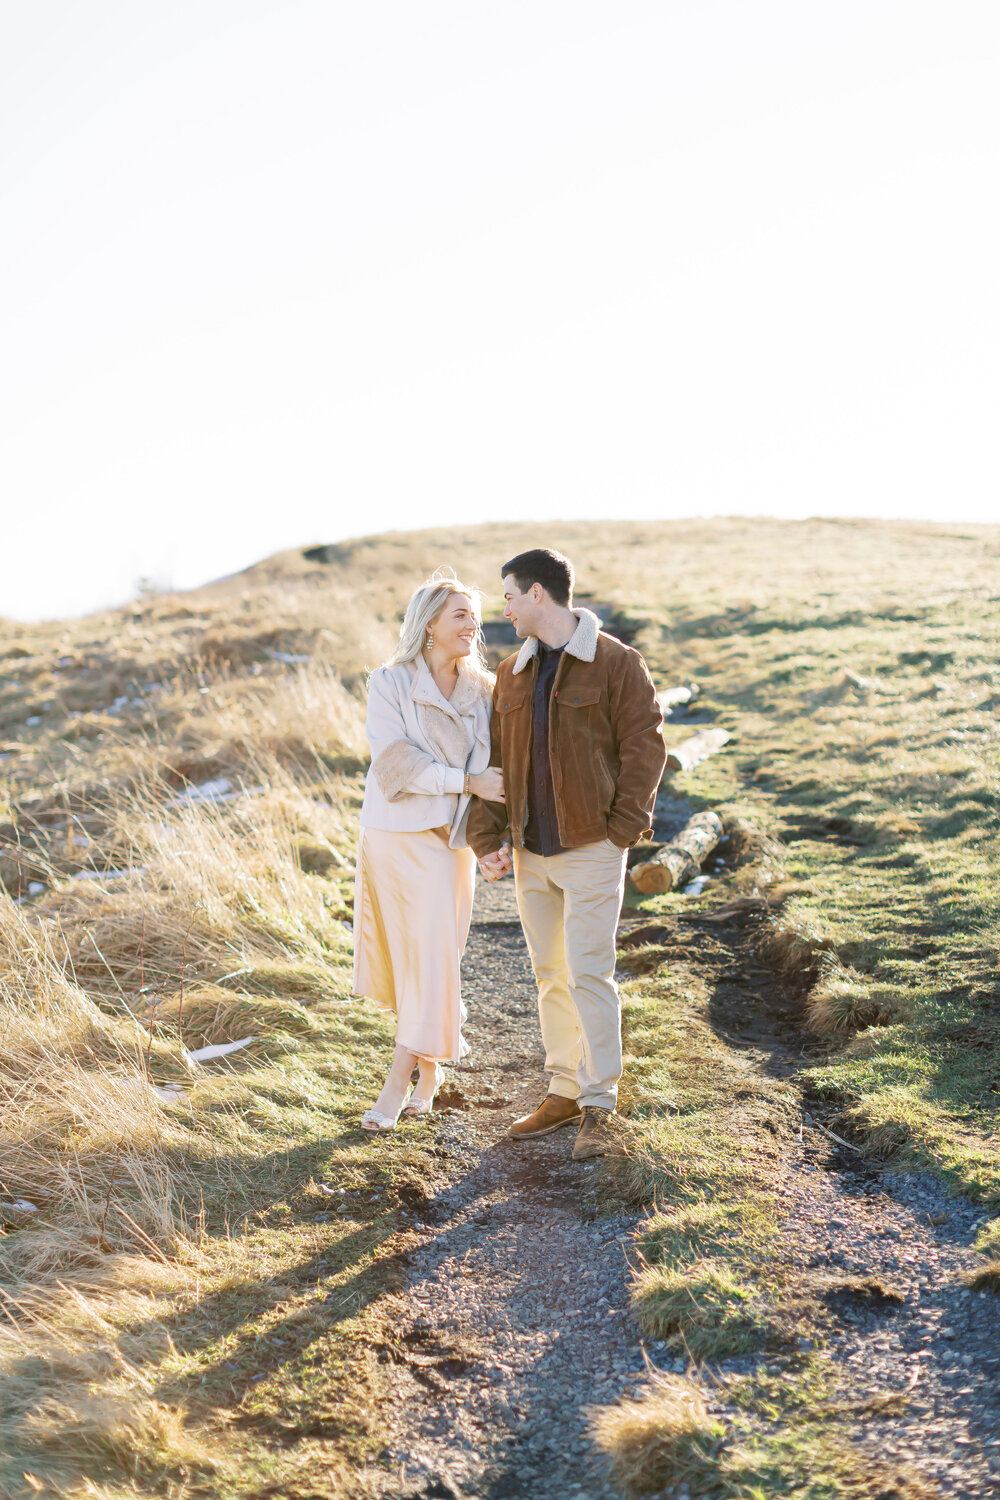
(455, 627)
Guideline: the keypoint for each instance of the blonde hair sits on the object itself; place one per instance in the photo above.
(426, 603)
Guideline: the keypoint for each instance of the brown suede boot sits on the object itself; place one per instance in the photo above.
(551, 1114)
(594, 1136)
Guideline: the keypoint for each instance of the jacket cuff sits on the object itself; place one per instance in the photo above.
(487, 843)
(454, 780)
(627, 838)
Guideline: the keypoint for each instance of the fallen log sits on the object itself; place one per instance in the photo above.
(681, 859)
(701, 745)
(641, 854)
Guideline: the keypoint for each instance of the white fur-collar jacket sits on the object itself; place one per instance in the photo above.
(422, 744)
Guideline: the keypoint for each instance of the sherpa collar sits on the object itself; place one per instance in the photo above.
(582, 643)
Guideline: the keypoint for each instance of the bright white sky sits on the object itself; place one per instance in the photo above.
(278, 273)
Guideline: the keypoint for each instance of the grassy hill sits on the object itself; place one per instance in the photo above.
(171, 1200)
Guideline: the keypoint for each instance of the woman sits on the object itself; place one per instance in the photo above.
(428, 727)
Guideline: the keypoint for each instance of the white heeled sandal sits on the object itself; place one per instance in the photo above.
(419, 1107)
(374, 1121)
(424, 1106)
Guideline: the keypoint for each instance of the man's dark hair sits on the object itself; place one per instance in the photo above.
(541, 565)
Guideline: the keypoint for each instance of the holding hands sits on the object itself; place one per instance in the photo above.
(488, 785)
(495, 866)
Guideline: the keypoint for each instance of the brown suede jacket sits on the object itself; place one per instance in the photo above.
(605, 745)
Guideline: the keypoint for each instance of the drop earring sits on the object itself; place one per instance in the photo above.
(430, 640)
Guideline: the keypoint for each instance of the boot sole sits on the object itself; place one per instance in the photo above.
(546, 1129)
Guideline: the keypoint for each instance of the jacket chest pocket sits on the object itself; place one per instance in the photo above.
(508, 706)
(578, 697)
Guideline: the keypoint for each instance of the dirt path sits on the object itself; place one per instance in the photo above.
(884, 1252)
(516, 1308)
(517, 1296)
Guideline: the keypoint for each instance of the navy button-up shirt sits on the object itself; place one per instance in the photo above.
(541, 834)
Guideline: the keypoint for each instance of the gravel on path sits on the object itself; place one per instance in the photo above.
(517, 1316)
(882, 1253)
(518, 1294)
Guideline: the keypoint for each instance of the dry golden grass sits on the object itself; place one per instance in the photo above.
(209, 1014)
(246, 724)
(856, 663)
(844, 1001)
(207, 928)
(666, 1437)
(985, 1278)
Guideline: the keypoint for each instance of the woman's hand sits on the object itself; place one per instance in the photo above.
(495, 866)
(488, 784)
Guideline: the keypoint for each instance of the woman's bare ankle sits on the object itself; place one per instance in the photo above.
(430, 1079)
(397, 1084)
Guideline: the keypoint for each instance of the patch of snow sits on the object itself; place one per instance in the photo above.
(208, 791)
(35, 719)
(219, 790)
(168, 1093)
(14, 1213)
(109, 874)
(288, 658)
(235, 974)
(35, 887)
(696, 886)
(220, 1049)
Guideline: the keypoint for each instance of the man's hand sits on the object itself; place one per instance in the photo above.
(495, 866)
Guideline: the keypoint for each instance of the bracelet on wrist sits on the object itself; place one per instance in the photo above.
(465, 788)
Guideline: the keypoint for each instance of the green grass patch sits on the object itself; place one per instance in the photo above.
(687, 1097)
(865, 741)
(702, 1308)
(812, 1462)
(781, 1437)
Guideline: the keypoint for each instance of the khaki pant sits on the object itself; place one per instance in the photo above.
(569, 906)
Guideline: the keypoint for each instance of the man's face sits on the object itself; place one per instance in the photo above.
(522, 610)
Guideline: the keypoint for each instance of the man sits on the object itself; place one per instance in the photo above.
(576, 728)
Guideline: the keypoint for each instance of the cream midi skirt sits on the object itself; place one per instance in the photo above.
(412, 909)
